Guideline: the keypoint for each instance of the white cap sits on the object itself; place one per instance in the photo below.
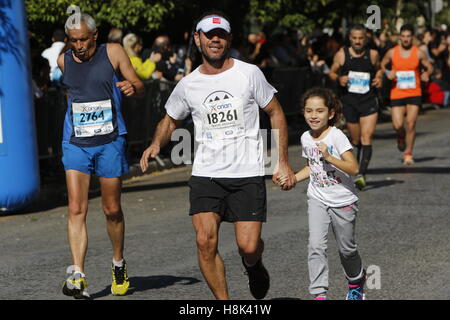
(212, 22)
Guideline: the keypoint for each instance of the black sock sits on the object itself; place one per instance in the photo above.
(358, 151)
(366, 155)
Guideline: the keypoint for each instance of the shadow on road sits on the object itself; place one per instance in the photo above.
(410, 169)
(380, 184)
(139, 284)
(156, 186)
(392, 135)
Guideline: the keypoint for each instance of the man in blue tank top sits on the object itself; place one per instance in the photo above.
(94, 143)
(357, 70)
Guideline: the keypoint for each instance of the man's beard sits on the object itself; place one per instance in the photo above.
(360, 50)
(218, 61)
(407, 47)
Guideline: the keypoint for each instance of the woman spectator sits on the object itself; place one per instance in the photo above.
(133, 46)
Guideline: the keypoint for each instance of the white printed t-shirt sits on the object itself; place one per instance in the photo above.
(327, 183)
(225, 110)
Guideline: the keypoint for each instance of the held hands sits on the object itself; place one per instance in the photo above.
(126, 87)
(152, 151)
(284, 176)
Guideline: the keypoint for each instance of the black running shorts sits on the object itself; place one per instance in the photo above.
(354, 109)
(235, 199)
(417, 101)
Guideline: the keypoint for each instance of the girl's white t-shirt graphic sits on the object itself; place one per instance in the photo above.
(327, 183)
(225, 110)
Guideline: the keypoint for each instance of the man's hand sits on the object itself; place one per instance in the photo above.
(391, 75)
(343, 80)
(152, 151)
(425, 77)
(377, 82)
(126, 87)
(284, 176)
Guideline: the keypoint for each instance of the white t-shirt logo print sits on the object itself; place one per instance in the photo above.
(223, 118)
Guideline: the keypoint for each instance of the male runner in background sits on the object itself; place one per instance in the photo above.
(357, 69)
(406, 94)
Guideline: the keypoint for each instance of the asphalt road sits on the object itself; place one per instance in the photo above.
(402, 232)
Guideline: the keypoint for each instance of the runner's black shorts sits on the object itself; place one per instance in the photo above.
(354, 109)
(235, 199)
(417, 101)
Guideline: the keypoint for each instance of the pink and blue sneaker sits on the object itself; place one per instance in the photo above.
(356, 291)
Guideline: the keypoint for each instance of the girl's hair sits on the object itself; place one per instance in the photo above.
(330, 100)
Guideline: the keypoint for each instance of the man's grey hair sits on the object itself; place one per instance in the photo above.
(73, 22)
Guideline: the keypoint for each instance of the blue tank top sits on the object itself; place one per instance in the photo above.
(93, 114)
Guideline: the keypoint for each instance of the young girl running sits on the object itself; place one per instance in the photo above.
(331, 193)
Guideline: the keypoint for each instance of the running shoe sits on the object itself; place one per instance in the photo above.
(408, 159)
(356, 291)
(360, 182)
(76, 286)
(258, 279)
(401, 142)
(120, 281)
(321, 296)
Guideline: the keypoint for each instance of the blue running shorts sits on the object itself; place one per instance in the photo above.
(107, 160)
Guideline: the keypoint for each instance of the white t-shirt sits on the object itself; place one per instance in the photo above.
(327, 183)
(225, 110)
(52, 53)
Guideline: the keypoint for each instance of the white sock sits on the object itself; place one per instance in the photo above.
(82, 275)
(118, 264)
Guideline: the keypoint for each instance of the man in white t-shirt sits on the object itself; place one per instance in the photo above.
(224, 96)
(52, 54)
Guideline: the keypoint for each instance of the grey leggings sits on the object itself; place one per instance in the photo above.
(342, 220)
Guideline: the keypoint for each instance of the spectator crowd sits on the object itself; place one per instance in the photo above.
(164, 60)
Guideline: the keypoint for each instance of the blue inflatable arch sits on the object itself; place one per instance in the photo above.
(19, 166)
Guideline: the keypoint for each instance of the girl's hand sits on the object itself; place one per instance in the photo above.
(323, 149)
(281, 180)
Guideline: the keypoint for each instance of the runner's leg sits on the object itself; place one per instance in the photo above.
(78, 188)
(115, 223)
(206, 225)
(398, 119)
(368, 125)
(248, 239)
(412, 112)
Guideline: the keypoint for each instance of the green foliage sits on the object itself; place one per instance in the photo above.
(175, 16)
(308, 14)
(148, 15)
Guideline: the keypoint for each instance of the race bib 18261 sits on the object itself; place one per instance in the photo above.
(223, 119)
(92, 118)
